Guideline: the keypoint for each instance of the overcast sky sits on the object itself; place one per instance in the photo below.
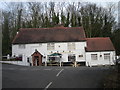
(98, 2)
(101, 2)
(60, 0)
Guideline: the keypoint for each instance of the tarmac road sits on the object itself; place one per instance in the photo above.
(14, 76)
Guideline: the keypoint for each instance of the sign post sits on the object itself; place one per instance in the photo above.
(60, 63)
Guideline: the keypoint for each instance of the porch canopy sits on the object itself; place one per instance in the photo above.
(55, 55)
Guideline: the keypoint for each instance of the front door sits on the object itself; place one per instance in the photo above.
(36, 59)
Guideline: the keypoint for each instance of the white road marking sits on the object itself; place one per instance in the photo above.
(48, 85)
(59, 72)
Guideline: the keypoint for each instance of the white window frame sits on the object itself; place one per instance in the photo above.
(94, 56)
(22, 46)
(71, 46)
(50, 46)
(106, 56)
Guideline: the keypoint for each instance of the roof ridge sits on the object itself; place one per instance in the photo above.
(32, 28)
(47, 28)
(98, 38)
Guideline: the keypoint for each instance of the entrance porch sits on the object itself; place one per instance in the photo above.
(36, 58)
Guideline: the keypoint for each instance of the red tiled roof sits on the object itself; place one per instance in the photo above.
(99, 44)
(44, 35)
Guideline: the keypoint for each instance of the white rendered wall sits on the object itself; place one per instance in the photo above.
(16, 63)
(100, 61)
(59, 47)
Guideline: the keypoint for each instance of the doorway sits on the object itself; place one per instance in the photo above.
(36, 59)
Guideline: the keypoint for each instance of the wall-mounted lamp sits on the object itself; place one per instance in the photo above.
(60, 56)
(100, 55)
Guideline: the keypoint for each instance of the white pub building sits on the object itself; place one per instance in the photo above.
(61, 44)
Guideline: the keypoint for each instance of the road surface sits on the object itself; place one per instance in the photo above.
(14, 76)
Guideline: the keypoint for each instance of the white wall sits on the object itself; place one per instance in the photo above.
(100, 60)
(16, 62)
(61, 47)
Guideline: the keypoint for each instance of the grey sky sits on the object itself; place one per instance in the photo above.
(98, 2)
(60, 0)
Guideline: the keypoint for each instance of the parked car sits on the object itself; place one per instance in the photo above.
(18, 58)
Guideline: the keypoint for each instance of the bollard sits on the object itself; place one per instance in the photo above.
(60, 63)
(45, 63)
(8, 56)
(75, 63)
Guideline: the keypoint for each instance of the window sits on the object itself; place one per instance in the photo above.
(94, 56)
(71, 46)
(71, 58)
(28, 59)
(22, 46)
(107, 56)
(80, 55)
(50, 46)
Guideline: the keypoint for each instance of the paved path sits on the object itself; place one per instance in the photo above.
(52, 76)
